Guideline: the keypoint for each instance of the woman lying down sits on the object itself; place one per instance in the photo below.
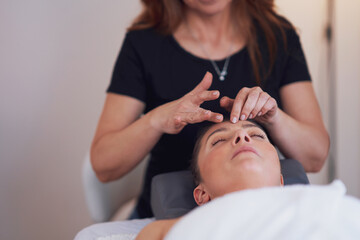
(239, 183)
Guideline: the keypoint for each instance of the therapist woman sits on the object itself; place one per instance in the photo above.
(184, 62)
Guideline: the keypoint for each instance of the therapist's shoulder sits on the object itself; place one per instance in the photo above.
(147, 36)
(284, 31)
(288, 28)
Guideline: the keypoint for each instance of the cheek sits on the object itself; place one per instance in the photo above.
(273, 162)
(213, 164)
(272, 155)
(215, 176)
(210, 164)
(268, 150)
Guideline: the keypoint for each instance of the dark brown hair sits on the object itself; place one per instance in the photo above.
(194, 167)
(166, 15)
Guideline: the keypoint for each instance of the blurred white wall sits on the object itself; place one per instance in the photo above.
(310, 18)
(347, 93)
(336, 82)
(56, 59)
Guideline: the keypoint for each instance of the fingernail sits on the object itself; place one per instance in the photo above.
(250, 116)
(242, 117)
(259, 114)
(215, 93)
(218, 117)
(234, 120)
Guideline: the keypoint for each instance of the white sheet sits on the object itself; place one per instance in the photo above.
(292, 212)
(120, 230)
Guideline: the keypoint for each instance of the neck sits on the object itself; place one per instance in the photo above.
(210, 29)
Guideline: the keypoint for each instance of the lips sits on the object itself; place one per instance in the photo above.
(244, 149)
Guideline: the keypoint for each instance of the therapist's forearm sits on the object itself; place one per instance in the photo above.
(117, 153)
(306, 143)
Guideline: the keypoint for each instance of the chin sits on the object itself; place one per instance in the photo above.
(212, 7)
(247, 164)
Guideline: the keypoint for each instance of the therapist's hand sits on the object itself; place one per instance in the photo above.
(251, 103)
(172, 117)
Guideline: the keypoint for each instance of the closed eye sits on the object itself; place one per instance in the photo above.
(217, 141)
(262, 136)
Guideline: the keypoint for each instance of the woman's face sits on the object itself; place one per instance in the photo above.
(237, 156)
(207, 7)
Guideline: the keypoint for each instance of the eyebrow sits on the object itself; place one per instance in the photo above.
(217, 130)
(223, 129)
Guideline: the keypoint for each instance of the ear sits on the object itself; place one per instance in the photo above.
(201, 196)
(281, 180)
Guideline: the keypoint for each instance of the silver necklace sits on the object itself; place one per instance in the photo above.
(222, 74)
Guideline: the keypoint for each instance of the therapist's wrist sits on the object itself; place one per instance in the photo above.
(154, 121)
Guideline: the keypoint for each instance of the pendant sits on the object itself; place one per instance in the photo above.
(222, 75)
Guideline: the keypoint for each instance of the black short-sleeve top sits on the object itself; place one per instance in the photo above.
(155, 69)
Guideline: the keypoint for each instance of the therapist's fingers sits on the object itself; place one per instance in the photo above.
(269, 109)
(201, 93)
(203, 96)
(258, 109)
(238, 105)
(201, 115)
(173, 116)
(250, 103)
(216, 117)
(203, 85)
(226, 103)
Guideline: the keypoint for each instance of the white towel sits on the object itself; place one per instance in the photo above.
(118, 230)
(118, 237)
(291, 212)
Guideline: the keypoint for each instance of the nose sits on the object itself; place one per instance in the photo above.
(241, 136)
